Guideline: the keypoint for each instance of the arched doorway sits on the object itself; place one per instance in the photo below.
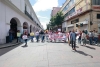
(25, 27)
(13, 27)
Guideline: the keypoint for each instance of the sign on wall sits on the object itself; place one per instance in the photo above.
(96, 7)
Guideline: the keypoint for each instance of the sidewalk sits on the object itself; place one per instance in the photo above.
(13, 43)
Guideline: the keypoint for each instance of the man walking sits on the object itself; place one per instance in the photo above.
(73, 40)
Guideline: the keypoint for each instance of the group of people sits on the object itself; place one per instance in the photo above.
(83, 37)
(71, 36)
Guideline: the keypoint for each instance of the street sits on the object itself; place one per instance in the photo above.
(50, 55)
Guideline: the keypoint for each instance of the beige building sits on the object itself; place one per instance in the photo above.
(82, 14)
(55, 10)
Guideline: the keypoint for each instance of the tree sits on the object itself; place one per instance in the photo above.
(59, 18)
(56, 20)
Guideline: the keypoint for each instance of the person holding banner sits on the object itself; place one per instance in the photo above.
(25, 37)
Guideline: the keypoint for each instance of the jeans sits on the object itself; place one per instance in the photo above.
(96, 40)
(25, 41)
(91, 40)
(43, 38)
(18, 39)
(32, 38)
(73, 44)
(37, 38)
(79, 40)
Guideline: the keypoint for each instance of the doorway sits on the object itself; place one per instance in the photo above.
(13, 27)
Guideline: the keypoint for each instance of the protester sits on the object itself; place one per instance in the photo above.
(73, 39)
(32, 36)
(83, 37)
(18, 36)
(25, 38)
(37, 36)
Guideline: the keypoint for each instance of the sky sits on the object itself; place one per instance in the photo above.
(43, 9)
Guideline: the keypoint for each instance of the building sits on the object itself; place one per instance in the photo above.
(55, 11)
(17, 15)
(82, 15)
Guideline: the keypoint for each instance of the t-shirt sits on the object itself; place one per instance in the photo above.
(18, 34)
(32, 34)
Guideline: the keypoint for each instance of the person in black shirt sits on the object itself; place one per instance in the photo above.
(42, 34)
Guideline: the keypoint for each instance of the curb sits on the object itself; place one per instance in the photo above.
(9, 45)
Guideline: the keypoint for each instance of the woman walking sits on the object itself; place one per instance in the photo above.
(25, 37)
(83, 37)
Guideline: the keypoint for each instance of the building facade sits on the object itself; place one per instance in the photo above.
(55, 11)
(82, 15)
(17, 15)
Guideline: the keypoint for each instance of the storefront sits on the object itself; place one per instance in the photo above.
(84, 27)
(70, 27)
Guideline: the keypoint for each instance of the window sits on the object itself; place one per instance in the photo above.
(95, 2)
(98, 16)
(75, 21)
(68, 5)
(71, 11)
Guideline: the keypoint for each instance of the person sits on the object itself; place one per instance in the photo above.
(68, 36)
(73, 40)
(83, 37)
(37, 35)
(90, 37)
(79, 38)
(18, 36)
(42, 34)
(25, 38)
(32, 36)
(96, 37)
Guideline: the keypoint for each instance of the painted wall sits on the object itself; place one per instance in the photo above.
(6, 14)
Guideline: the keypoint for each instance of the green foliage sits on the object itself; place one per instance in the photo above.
(59, 18)
(56, 20)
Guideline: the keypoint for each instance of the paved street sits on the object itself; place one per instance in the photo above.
(50, 55)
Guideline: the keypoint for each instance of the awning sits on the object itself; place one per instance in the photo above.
(70, 25)
(84, 22)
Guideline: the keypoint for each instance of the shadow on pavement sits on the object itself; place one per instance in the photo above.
(25, 46)
(83, 53)
(90, 47)
(7, 49)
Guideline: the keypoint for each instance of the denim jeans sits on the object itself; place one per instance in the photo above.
(91, 40)
(37, 38)
(96, 40)
(32, 38)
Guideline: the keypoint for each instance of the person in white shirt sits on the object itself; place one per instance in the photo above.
(37, 35)
(91, 37)
(25, 37)
(96, 37)
(83, 38)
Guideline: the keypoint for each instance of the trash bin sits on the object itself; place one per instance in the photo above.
(7, 39)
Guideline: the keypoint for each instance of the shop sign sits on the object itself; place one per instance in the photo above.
(96, 7)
